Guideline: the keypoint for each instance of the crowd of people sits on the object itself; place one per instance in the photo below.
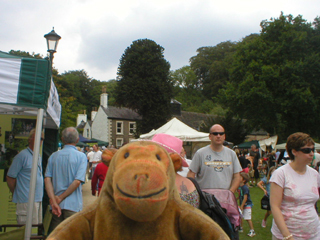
(289, 179)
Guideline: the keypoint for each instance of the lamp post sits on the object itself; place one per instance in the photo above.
(52, 43)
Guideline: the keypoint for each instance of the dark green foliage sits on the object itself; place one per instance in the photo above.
(211, 66)
(26, 54)
(144, 85)
(77, 92)
(187, 91)
(235, 128)
(275, 78)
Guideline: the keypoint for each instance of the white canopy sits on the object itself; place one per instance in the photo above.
(180, 130)
(272, 141)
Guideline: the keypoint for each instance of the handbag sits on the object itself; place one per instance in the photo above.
(265, 204)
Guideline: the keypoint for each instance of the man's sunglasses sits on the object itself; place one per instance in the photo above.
(306, 150)
(216, 133)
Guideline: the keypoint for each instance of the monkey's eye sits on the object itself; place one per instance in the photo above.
(158, 157)
(126, 155)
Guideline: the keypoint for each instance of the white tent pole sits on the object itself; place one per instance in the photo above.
(34, 170)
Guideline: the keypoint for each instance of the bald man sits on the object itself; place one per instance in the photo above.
(216, 166)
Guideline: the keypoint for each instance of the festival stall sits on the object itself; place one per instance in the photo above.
(193, 139)
(28, 99)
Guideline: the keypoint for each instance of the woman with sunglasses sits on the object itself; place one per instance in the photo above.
(294, 192)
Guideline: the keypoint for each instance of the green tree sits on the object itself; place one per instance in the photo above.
(235, 128)
(26, 54)
(144, 84)
(275, 76)
(211, 65)
(186, 90)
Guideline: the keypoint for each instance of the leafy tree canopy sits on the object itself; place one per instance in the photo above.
(275, 77)
(211, 66)
(144, 84)
(26, 54)
(235, 129)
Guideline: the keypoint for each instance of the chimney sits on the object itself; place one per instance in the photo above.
(104, 97)
(104, 100)
(81, 117)
(93, 113)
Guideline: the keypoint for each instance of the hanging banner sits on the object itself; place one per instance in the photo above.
(54, 106)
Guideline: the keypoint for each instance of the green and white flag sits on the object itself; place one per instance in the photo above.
(26, 82)
(9, 79)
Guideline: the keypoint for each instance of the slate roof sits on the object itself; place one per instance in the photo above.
(121, 113)
(81, 124)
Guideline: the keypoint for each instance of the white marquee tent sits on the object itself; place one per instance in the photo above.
(272, 141)
(180, 130)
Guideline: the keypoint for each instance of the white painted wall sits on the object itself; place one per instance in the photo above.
(81, 117)
(87, 131)
(93, 115)
(100, 126)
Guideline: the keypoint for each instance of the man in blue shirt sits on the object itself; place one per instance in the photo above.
(18, 181)
(65, 172)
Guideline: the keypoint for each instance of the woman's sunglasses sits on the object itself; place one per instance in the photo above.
(307, 150)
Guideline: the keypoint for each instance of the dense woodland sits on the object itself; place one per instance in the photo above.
(269, 81)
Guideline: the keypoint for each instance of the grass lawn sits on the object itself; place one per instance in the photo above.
(257, 215)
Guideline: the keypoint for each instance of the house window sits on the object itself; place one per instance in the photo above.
(119, 142)
(87, 133)
(132, 128)
(119, 127)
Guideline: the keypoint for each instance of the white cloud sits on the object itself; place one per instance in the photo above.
(95, 33)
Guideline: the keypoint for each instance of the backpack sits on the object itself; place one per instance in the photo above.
(211, 206)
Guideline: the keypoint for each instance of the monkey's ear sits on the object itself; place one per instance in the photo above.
(177, 161)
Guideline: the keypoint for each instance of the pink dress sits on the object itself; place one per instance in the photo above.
(300, 193)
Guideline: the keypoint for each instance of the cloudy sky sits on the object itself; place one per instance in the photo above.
(95, 33)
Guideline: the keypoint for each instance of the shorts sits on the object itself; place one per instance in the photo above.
(246, 213)
(22, 213)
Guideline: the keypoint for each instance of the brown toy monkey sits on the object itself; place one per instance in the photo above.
(139, 200)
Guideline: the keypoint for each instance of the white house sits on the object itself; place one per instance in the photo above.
(111, 124)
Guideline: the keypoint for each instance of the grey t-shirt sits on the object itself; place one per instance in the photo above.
(215, 169)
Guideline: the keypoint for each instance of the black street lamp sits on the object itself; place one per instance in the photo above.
(52, 43)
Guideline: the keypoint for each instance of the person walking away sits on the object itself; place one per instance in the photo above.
(294, 192)
(65, 172)
(18, 181)
(264, 185)
(256, 157)
(94, 158)
(98, 178)
(246, 203)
